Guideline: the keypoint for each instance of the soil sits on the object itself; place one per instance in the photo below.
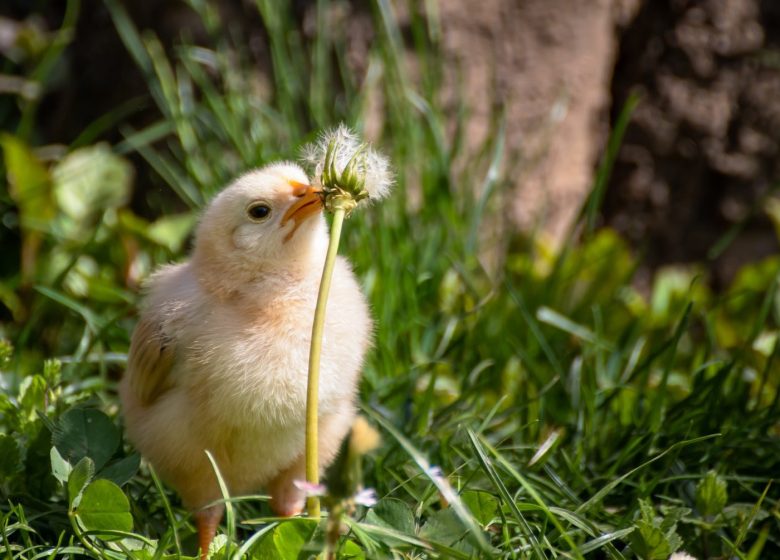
(549, 63)
(701, 153)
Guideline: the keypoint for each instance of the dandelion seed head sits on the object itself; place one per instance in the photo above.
(372, 165)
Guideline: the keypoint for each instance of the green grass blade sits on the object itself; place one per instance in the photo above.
(230, 518)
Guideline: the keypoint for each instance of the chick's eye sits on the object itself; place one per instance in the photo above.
(259, 212)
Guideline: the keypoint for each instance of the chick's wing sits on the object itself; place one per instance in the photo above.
(150, 360)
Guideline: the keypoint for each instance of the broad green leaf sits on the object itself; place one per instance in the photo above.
(350, 550)
(86, 432)
(655, 537)
(286, 541)
(122, 470)
(443, 526)
(393, 513)
(711, 494)
(649, 542)
(483, 505)
(60, 468)
(89, 181)
(80, 476)
(446, 527)
(104, 507)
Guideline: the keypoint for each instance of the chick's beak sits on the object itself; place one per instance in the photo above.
(308, 203)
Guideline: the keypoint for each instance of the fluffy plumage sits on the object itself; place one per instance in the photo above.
(219, 358)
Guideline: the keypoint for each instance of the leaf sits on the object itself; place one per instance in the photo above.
(351, 550)
(104, 507)
(169, 231)
(649, 543)
(52, 371)
(79, 477)
(86, 432)
(60, 468)
(38, 479)
(711, 495)
(29, 182)
(392, 513)
(122, 470)
(172, 231)
(286, 541)
(443, 526)
(31, 396)
(483, 505)
(655, 537)
(89, 181)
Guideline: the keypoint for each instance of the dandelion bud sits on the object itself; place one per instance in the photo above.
(364, 437)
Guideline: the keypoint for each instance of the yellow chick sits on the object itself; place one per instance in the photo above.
(219, 358)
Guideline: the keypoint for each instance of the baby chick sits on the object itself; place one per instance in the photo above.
(219, 358)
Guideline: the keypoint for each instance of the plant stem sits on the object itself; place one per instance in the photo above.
(312, 392)
(82, 537)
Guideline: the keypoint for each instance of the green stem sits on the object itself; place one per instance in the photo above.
(312, 392)
(82, 537)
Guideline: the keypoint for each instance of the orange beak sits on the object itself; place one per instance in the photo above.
(309, 203)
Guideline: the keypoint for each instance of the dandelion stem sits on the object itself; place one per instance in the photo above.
(312, 392)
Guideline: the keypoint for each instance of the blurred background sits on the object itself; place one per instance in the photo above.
(699, 157)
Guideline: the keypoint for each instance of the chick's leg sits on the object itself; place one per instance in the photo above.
(286, 498)
(207, 520)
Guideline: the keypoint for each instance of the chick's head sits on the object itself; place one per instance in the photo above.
(266, 220)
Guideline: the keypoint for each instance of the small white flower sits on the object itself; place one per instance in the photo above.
(366, 497)
(371, 165)
(681, 556)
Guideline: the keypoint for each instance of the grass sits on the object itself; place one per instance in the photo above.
(534, 407)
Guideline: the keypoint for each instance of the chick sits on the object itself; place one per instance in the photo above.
(219, 358)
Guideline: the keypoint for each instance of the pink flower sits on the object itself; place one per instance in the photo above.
(309, 488)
